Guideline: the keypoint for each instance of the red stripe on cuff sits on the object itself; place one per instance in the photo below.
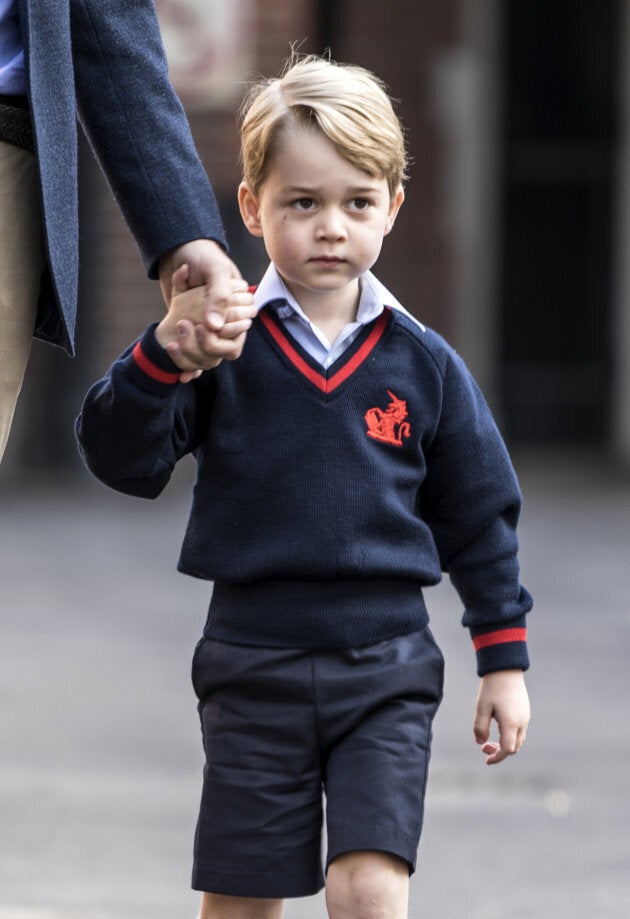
(499, 638)
(151, 369)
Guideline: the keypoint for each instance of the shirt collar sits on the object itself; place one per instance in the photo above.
(374, 297)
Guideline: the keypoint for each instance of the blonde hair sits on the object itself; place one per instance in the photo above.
(349, 104)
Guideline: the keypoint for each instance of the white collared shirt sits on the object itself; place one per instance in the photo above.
(374, 298)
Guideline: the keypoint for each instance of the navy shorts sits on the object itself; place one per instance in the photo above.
(284, 730)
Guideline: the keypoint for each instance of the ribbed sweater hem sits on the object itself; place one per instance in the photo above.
(317, 615)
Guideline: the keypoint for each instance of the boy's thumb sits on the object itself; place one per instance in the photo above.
(481, 726)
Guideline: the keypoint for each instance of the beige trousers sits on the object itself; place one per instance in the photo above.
(21, 264)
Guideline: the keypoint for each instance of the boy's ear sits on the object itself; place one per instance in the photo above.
(249, 208)
(394, 206)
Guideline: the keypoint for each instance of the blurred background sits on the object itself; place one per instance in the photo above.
(513, 242)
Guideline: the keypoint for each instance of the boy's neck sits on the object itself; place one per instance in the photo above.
(330, 311)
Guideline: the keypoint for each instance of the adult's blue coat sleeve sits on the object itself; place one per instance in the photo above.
(137, 126)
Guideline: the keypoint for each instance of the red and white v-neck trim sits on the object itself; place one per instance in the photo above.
(355, 357)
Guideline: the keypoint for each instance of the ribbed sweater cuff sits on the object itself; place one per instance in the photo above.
(151, 366)
(502, 648)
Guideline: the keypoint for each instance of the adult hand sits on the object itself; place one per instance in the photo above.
(208, 266)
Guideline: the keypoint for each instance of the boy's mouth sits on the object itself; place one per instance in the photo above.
(327, 260)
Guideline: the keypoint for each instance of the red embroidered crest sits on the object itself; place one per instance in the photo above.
(389, 426)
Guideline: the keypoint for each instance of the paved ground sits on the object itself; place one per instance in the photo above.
(99, 748)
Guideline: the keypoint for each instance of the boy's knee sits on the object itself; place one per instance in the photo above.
(367, 885)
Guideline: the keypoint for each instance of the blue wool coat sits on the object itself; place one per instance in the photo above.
(104, 63)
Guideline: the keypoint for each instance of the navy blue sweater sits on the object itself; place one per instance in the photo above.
(325, 500)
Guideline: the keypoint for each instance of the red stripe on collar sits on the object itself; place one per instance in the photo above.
(324, 383)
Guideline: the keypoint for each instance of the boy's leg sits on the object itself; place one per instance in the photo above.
(216, 906)
(367, 885)
(360, 885)
(258, 836)
(377, 706)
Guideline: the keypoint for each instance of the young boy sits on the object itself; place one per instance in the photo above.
(344, 460)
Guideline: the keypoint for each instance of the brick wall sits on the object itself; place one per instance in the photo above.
(402, 43)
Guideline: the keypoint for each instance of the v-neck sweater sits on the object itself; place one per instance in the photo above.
(325, 500)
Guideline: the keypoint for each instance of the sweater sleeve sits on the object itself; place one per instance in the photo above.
(137, 127)
(139, 420)
(472, 501)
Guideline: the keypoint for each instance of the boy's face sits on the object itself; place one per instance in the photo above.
(322, 219)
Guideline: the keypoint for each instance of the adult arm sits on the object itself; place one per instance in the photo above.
(138, 129)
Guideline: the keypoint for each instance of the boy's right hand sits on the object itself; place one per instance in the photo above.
(502, 698)
(186, 337)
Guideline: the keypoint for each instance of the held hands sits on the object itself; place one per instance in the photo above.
(208, 265)
(503, 698)
(196, 340)
(210, 325)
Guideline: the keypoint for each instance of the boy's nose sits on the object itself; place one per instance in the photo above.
(331, 225)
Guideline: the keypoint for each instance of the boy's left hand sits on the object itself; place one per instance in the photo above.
(503, 698)
(191, 345)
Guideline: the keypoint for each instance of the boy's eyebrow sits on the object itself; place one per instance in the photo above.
(309, 189)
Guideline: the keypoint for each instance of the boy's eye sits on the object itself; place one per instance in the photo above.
(360, 204)
(303, 204)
